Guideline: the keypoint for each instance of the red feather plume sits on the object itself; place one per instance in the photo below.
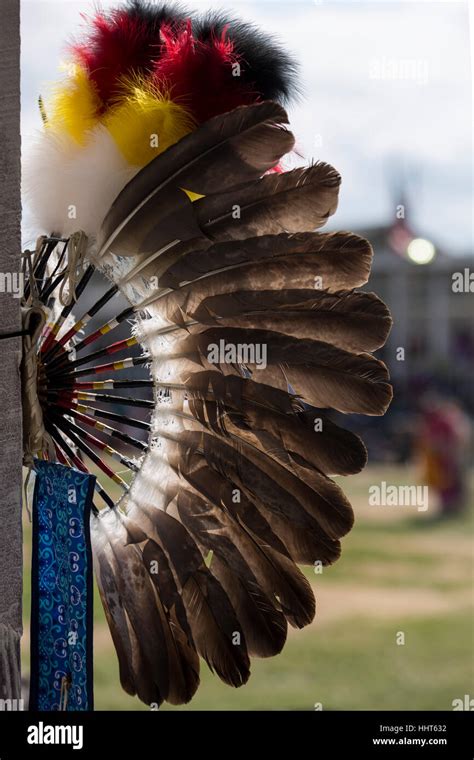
(201, 74)
(117, 45)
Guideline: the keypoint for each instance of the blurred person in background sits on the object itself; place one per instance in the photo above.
(442, 448)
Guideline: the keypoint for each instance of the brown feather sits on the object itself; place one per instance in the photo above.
(343, 257)
(352, 321)
(275, 489)
(227, 150)
(300, 271)
(275, 573)
(321, 374)
(210, 615)
(122, 635)
(310, 438)
(296, 201)
(263, 625)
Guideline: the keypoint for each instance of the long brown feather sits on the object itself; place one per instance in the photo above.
(263, 625)
(229, 149)
(271, 484)
(297, 201)
(122, 636)
(353, 321)
(323, 375)
(281, 580)
(211, 618)
(310, 439)
(340, 255)
(317, 269)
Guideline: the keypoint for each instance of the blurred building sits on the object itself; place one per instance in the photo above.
(431, 345)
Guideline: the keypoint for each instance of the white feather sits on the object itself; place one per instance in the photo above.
(69, 187)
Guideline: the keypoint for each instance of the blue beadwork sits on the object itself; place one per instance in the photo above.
(62, 583)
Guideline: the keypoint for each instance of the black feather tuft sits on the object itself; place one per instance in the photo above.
(265, 63)
(155, 14)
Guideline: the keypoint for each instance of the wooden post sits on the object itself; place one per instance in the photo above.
(10, 401)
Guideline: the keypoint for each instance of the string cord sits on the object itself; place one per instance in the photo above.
(14, 334)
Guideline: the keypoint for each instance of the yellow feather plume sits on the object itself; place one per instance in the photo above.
(145, 122)
(74, 107)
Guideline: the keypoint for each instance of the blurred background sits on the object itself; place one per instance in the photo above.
(387, 99)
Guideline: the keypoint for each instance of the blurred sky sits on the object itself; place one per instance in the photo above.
(387, 98)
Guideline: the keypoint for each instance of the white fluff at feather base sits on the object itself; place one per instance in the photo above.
(68, 187)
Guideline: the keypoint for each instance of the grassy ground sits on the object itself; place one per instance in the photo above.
(402, 572)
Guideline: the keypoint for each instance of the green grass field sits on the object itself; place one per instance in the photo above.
(401, 572)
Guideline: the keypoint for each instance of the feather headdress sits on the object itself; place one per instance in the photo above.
(250, 323)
